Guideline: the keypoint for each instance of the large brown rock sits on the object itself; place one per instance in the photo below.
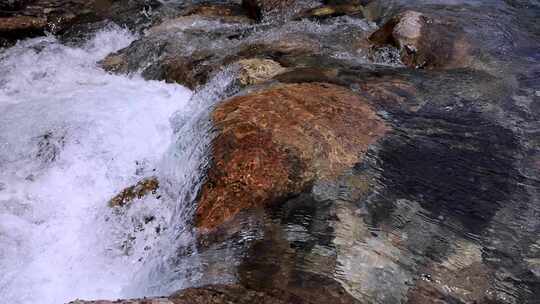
(425, 42)
(272, 144)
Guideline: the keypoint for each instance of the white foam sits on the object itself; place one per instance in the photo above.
(71, 137)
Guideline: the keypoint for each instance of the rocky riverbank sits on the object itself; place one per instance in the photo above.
(364, 151)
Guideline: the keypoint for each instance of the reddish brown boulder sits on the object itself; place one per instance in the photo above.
(424, 42)
(272, 144)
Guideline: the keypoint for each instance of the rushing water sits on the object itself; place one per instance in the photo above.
(71, 137)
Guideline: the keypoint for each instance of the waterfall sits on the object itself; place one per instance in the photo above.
(71, 137)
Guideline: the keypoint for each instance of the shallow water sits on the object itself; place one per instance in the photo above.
(71, 137)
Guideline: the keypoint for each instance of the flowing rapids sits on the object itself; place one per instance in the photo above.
(71, 137)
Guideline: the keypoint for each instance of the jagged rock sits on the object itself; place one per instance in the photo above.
(273, 143)
(141, 189)
(425, 42)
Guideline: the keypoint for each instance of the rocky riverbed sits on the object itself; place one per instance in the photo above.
(356, 151)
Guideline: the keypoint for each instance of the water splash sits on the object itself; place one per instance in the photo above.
(71, 137)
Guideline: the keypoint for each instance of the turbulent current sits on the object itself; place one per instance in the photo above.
(71, 137)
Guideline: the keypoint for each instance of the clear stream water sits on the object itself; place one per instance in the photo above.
(71, 137)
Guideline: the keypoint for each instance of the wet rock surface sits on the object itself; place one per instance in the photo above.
(367, 151)
(31, 18)
(273, 144)
(139, 190)
(414, 221)
(274, 9)
(328, 11)
(425, 42)
(194, 47)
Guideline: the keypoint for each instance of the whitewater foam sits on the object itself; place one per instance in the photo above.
(71, 137)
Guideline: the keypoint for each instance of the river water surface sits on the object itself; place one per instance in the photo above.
(73, 136)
